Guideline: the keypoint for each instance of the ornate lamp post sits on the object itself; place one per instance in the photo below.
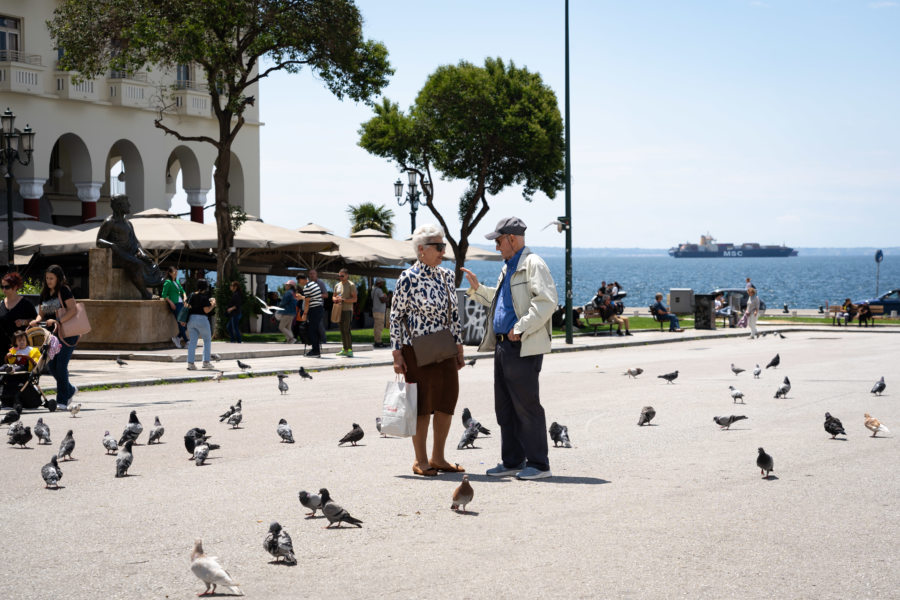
(412, 196)
(13, 145)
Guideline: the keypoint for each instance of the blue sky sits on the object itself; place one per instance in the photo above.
(772, 121)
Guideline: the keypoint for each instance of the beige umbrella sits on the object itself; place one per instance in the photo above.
(29, 234)
(354, 250)
(283, 238)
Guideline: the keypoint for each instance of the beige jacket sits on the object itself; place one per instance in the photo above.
(534, 300)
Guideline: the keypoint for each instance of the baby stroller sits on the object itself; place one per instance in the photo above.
(24, 386)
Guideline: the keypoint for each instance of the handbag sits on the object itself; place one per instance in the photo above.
(435, 347)
(400, 409)
(185, 311)
(77, 325)
(336, 313)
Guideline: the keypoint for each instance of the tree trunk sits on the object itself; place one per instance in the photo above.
(224, 257)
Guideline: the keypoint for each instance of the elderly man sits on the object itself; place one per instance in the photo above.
(518, 331)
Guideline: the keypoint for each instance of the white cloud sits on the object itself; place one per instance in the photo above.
(884, 4)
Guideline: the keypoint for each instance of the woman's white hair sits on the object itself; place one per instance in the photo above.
(424, 233)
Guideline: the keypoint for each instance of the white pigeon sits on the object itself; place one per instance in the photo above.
(110, 443)
(735, 394)
(209, 571)
(74, 409)
(756, 372)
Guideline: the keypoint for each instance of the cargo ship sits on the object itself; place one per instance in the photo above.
(709, 248)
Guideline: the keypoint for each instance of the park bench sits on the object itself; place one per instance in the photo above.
(592, 313)
(655, 315)
(836, 311)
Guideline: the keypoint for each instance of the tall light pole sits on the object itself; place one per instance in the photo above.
(412, 196)
(11, 141)
(568, 219)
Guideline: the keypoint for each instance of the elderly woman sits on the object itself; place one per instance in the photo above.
(425, 302)
(15, 311)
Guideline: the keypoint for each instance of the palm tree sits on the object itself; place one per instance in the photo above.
(369, 216)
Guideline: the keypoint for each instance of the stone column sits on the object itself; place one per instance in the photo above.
(31, 191)
(196, 199)
(88, 193)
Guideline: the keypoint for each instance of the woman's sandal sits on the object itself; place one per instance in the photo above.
(429, 472)
(454, 468)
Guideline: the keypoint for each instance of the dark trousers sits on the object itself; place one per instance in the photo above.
(233, 326)
(313, 323)
(517, 402)
(346, 340)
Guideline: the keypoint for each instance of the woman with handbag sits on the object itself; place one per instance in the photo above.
(57, 307)
(199, 305)
(427, 345)
(173, 294)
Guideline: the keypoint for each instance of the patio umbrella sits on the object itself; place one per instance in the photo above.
(354, 250)
(28, 233)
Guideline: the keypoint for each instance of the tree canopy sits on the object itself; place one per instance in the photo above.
(492, 126)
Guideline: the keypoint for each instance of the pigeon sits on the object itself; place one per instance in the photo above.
(560, 435)
(282, 384)
(311, 501)
(284, 431)
(201, 453)
(647, 414)
(15, 428)
(468, 438)
(42, 431)
(353, 436)
(726, 422)
(633, 372)
(215, 356)
(462, 495)
(779, 334)
(669, 377)
(67, 446)
(874, 425)
(774, 362)
(736, 370)
(471, 363)
(335, 513)
(378, 426)
(304, 374)
(765, 463)
(51, 473)
(13, 415)
(120, 362)
(243, 366)
(878, 387)
(156, 432)
(209, 571)
(218, 376)
(20, 437)
(124, 459)
(735, 394)
(756, 372)
(278, 544)
(560, 226)
(235, 419)
(75, 409)
(467, 420)
(783, 389)
(834, 426)
(132, 430)
(226, 414)
(110, 443)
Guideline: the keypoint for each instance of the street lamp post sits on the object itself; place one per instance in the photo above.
(412, 196)
(11, 142)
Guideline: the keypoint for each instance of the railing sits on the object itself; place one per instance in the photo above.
(21, 57)
(139, 76)
(190, 84)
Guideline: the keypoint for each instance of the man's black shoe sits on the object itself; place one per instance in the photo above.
(313, 355)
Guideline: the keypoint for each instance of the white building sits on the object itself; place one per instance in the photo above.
(87, 131)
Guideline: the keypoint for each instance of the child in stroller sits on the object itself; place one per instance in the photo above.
(20, 376)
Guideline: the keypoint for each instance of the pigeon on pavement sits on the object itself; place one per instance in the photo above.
(74, 409)
(67, 446)
(42, 431)
(278, 544)
(335, 513)
(13, 415)
(226, 414)
(120, 362)
(209, 571)
(462, 495)
(20, 437)
(124, 459)
(156, 432)
(783, 389)
(633, 372)
(736, 370)
(756, 372)
(774, 362)
(243, 366)
(669, 377)
(468, 419)
(735, 394)
(765, 463)
(284, 431)
(304, 373)
(218, 376)
(560, 435)
(132, 430)
(471, 363)
(726, 422)
(110, 443)
(874, 425)
(468, 438)
(282, 384)
(235, 419)
(311, 501)
(195, 436)
(647, 414)
(201, 453)
(51, 473)
(834, 426)
(378, 426)
(878, 388)
(353, 436)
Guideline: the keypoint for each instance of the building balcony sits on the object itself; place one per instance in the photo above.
(191, 99)
(88, 90)
(20, 72)
(129, 89)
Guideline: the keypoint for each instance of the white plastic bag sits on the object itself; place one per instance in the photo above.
(399, 413)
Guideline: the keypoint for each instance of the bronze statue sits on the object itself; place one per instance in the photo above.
(117, 234)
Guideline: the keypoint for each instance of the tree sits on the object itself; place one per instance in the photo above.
(236, 43)
(493, 126)
(369, 216)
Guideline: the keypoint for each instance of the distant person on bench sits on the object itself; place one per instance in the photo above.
(663, 314)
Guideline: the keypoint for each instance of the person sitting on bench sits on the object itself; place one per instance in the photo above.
(864, 315)
(663, 314)
(608, 311)
(848, 311)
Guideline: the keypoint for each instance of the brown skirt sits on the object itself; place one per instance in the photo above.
(437, 384)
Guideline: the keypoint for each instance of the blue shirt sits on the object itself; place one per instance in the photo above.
(288, 302)
(504, 313)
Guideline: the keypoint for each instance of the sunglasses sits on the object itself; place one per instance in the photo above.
(439, 246)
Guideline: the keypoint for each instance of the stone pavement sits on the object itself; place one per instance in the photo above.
(676, 509)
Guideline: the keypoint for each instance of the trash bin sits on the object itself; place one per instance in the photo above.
(704, 311)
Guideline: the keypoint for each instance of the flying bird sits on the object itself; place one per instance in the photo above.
(774, 362)
(560, 435)
(42, 431)
(335, 513)
(51, 473)
(633, 372)
(20, 437)
(736, 370)
(353, 436)
(156, 432)
(669, 377)
(462, 495)
(124, 459)
(284, 431)
(874, 425)
(765, 463)
(468, 438)
(209, 571)
(834, 426)
(311, 501)
(304, 373)
(243, 366)
(132, 430)
(878, 388)
(647, 414)
(756, 372)
(282, 384)
(783, 389)
(468, 420)
(560, 226)
(726, 422)
(120, 362)
(235, 419)
(74, 409)
(735, 394)
(67, 446)
(110, 443)
(278, 544)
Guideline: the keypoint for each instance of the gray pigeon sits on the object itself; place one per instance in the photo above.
(669, 377)
(735, 394)
(311, 501)
(124, 459)
(282, 384)
(468, 419)
(304, 374)
(633, 372)
(765, 463)
(20, 437)
(235, 419)
(156, 432)
(756, 372)
(13, 415)
(51, 473)
(834, 426)
(67, 446)
(42, 431)
(243, 366)
(560, 435)
(378, 426)
(783, 389)
(726, 422)
(226, 414)
(776, 360)
(468, 438)
(335, 513)
(278, 544)
(647, 414)
(353, 436)
(878, 388)
(120, 362)
(736, 370)
(201, 453)
(284, 430)
(132, 430)
(110, 443)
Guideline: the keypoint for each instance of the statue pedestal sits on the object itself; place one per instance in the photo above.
(106, 282)
(128, 325)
